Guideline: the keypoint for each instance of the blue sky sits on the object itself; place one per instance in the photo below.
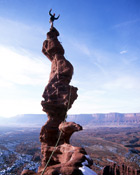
(101, 39)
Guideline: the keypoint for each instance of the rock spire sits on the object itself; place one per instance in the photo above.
(58, 99)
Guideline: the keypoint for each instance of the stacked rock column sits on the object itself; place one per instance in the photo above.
(58, 99)
(58, 94)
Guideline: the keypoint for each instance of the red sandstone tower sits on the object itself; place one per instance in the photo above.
(59, 157)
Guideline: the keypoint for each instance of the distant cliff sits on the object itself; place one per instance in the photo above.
(118, 117)
(109, 119)
(86, 120)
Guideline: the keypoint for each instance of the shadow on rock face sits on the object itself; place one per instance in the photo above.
(59, 97)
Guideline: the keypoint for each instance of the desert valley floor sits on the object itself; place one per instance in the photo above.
(20, 147)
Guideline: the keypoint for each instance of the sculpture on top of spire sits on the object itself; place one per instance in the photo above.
(52, 18)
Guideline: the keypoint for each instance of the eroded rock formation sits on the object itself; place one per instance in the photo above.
(58, 99)
(115, 169)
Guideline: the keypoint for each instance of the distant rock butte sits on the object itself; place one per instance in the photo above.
(119, 117)
(86, 120)
(108, 119)
(58, 98)
(120, 170)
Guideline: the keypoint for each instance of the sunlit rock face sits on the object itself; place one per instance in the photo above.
(58, 99)
(58, 94)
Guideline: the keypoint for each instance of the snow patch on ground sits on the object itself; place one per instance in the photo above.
(87, 171)
(88, 157)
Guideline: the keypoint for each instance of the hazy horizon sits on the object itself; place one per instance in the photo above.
(70, 114)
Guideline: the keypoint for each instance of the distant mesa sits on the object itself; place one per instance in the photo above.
(86, 120)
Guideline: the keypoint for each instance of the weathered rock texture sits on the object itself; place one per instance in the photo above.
(119, 170)
(58, 98)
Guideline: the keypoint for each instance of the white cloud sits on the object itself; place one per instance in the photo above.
(104, 102)
(123, 51)
(130, 61)
(13, 107)
(19, 34)
(81, 47)
(124, 82)
(23, 72)
(17, 27)
(4, 83)
(97, 58)
(126, 23)
(22, 69)
(116, 94)
(19, 73)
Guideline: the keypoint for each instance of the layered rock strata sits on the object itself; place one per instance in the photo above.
(115, 169)
(58, 99)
